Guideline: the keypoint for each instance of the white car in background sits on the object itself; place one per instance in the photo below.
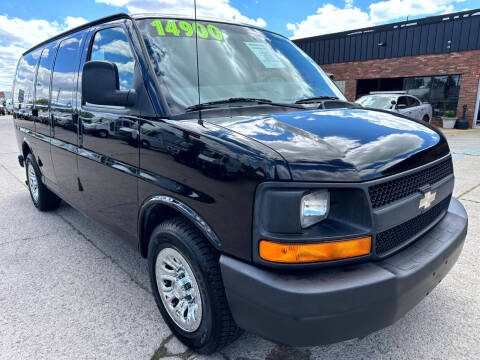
(399, 102)
(9, 106)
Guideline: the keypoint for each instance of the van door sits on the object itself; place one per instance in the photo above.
(109, 156)
(42, 115)
(414, 107)
(64, 121)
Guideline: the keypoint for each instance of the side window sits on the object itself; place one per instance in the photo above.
(42, 86)
(23, 93)
(413, 102)
(112, 45)
(64, 72)
(402, 102)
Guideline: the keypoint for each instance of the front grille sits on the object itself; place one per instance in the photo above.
(403, 233)
(393, 190)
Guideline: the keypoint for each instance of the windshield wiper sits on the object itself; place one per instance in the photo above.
(211, 104)
(315, 98)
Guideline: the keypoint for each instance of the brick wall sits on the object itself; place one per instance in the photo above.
(466, 63)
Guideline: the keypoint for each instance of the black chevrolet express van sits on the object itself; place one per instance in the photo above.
(261, 198)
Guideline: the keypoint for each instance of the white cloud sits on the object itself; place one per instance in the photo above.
(208, 8)
(396, 9)
(17, 31)
(71, 22)
(18, 35)
(330, 18)
(116, 47)
(348, 4)
(9, 56)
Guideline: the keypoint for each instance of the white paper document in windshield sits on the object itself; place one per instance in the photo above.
(265, 54)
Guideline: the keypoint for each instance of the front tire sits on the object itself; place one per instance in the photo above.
(42, 198)
(186, 281)
(426, 118)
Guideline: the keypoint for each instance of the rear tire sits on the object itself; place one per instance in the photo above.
(211, 328)
(42, 198)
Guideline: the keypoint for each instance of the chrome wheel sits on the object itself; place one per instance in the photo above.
(178, 289)
(32, 181)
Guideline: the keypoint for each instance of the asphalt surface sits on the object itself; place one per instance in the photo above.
(70, 289)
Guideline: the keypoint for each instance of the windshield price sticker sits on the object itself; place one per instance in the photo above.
(265, 54)
(177, 28)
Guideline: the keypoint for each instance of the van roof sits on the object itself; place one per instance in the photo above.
(119, 16)
(81, 27)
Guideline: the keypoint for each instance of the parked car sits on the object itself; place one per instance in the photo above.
(152, 138)
(9, 106)
(258, 208)
(102, 128)
(399, 102)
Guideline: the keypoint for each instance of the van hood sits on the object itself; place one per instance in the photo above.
(342, 144)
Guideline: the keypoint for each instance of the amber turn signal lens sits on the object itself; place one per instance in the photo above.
(306, 253)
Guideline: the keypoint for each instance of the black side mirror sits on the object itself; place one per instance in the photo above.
(100, 85)
(393, 102)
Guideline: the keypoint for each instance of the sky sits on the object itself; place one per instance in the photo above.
(24, 23)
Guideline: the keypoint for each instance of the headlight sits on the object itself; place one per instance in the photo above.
(314, 208)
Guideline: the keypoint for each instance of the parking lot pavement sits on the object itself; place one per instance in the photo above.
(71, 289)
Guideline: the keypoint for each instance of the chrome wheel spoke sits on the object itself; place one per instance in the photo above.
(182, 310)
(167, 282)
(191, 316)
(32, 181)
(170, 264)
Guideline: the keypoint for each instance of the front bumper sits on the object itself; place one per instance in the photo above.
(323, 306)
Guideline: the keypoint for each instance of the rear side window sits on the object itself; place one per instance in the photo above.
(23, 90)
(43, 75)
(413, 102)
(66, 62)
(112, 45)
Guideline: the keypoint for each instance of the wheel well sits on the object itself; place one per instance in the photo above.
(151, 218)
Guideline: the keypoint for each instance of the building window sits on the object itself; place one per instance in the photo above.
(440, 91)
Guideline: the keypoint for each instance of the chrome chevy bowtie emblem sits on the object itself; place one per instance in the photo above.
(427, 200)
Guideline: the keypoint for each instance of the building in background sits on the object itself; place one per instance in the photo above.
(6, 94)
(436, 59)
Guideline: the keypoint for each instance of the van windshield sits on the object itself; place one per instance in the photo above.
(234, 62)
(377, 101)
